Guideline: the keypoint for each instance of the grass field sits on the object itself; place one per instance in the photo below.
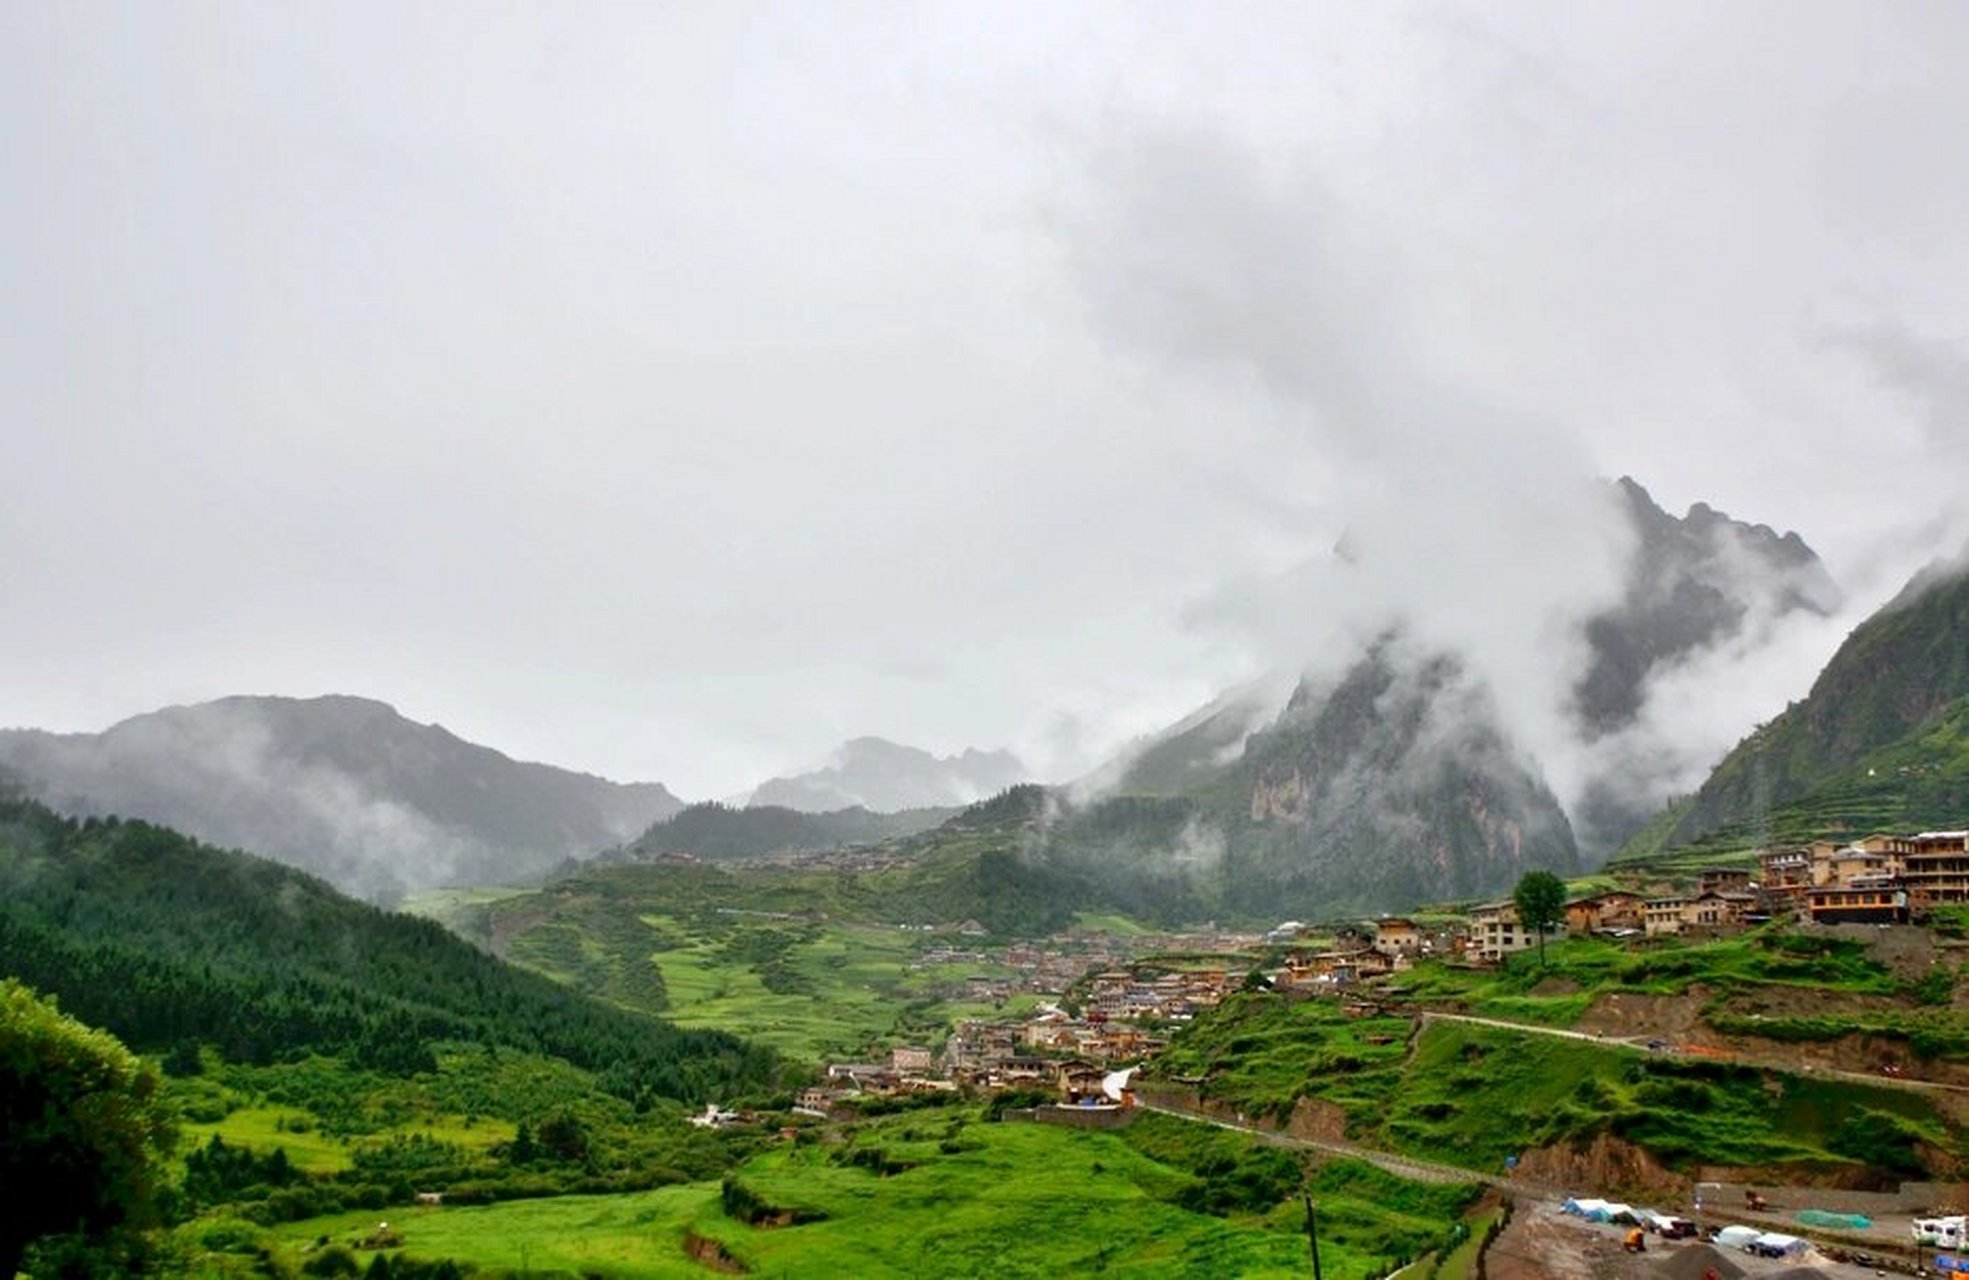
(960, 1197)
(1110, 923)
(262, 1129)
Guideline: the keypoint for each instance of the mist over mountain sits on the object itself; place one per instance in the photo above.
(1394, 785)
(1694, 586)
(887, 777)
(340, 786)
(1691, 582)
(1398, 762)
(1880, 741)
(1398, 773)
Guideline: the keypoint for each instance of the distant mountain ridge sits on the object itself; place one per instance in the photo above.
(340, 786)
(887, 777)
(717, 832)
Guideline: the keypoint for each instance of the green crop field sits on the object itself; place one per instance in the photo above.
(815, 991)
(815, 965)
(263, 1129)
(943, 1192)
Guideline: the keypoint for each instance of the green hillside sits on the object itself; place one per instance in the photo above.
(1914, 783)
(813, 959)
(169, 943)
(1878, 742)
(1473, 1095)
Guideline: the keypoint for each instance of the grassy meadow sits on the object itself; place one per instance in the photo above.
(944, 1192)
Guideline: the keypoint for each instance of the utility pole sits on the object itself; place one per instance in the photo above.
(1312, 1232)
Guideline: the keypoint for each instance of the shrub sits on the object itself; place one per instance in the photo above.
(335, 1260)
(1937, 986)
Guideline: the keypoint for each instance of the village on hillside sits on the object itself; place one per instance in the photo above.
(1106, 1001)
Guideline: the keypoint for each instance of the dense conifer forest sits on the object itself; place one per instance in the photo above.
(169, 943)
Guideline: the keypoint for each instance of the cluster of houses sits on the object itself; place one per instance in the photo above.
(1120, 1012)
(1174, 995)
(1879, 879)
(982, 1055)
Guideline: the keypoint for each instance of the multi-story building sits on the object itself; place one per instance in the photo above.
(1785, 876)
(1935, 869)
(1673, 915)
(1881, 900)
(1395, 936)
(1871, 858)
(910, 1059)
(1663, 915)
(1496, 933)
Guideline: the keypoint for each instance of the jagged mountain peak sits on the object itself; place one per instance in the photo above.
(1400, 749)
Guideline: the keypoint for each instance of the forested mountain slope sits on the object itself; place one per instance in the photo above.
(165, 941)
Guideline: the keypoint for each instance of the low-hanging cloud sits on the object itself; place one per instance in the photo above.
(1455, 521)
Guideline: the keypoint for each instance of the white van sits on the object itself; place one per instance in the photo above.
(1942, 1233)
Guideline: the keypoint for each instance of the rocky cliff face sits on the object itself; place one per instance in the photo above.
(342, 787)
(1407, 753)
(1693, 584)
(1396, 786)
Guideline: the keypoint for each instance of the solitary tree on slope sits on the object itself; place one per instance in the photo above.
(1541, 902)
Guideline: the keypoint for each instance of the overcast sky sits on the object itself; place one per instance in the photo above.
(673, 391)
